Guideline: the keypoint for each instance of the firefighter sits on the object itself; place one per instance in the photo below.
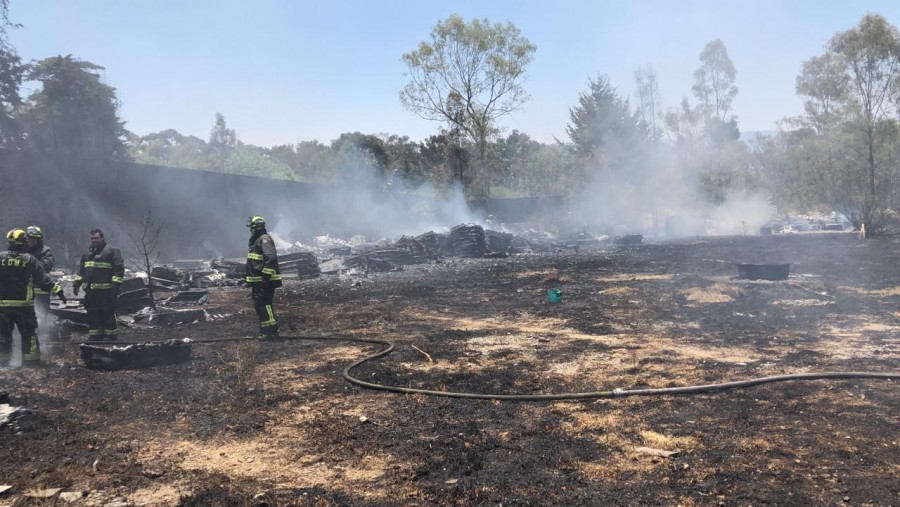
(34, 243)
(100, 271)
(20, 273)
(263, 276)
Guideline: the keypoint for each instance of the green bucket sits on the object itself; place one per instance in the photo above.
(554, 295)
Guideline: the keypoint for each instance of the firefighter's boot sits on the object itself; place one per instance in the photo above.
(33, 356)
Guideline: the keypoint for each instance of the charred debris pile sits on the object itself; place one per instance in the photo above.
(180, 290)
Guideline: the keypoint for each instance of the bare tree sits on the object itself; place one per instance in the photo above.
(147, 248)
(648, 99)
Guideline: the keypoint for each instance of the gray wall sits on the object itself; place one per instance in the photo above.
(204, 212)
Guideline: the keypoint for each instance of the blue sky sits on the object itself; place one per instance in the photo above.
(283, 71)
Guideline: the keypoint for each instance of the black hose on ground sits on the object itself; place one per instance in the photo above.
(615, 393)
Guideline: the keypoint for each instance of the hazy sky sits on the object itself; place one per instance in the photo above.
(283, 71)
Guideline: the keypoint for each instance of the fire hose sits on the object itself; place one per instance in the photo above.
(615, 393)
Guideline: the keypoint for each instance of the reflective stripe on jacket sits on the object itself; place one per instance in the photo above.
(20, 273)
(100, 269)
(262, 261)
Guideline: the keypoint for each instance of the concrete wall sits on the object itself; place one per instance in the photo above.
(204, 213)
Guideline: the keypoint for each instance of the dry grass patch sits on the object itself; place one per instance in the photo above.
(886, 292)
(753, 444)
(715, 293)
(635, 277)
(855, 339)
(524, 324)
(803, 302)
(165, 494)
(669, 443)
(541, 272)
(586, 362)
(720, 354)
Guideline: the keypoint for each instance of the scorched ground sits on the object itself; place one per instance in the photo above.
(258, 423)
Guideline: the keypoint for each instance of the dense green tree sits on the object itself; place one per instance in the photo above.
(602, 125)
(286, 154)
(511, 156)
(706, 137)
(467, 76)
(74, 114)
(871, 54)
(255, 161)
(368, 144)
(222, 141)
(314, 162)
(825, 87)
(11, 73)
(850, 140)
(170, 148)
(406, 158)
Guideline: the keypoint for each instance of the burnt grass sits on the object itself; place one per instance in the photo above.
(261, 423)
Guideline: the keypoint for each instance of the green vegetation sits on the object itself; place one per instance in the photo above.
(840, 154)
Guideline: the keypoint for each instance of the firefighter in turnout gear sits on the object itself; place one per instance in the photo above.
(263, 276)
(20, 273)
(34, 243)
(100, 271)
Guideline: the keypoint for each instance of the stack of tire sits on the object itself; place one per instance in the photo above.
(467, 240)
(303, 264)
(432, 243)
(498, 242)
(417, 252)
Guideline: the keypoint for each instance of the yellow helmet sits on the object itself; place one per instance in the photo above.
(255, 222)
(16, 237)
(33, 231)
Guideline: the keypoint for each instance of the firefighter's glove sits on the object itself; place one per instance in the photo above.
(265, 284)
(76, 287)
(62, 297)
(114, 290)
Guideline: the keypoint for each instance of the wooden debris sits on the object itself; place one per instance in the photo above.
(655, 452)
(71, 496)
(426, 354)
(44, 493)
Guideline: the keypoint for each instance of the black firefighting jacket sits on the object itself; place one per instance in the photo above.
(20, 273)
(101, 268)
(262, 261)
(45, 256)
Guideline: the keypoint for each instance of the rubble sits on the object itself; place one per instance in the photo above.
(629, 239)
(498, 242)
(169, 278)
(16, 418)
(162, 316)
(184, 282)
(133, 295)
(137, 356)
(189, 297)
